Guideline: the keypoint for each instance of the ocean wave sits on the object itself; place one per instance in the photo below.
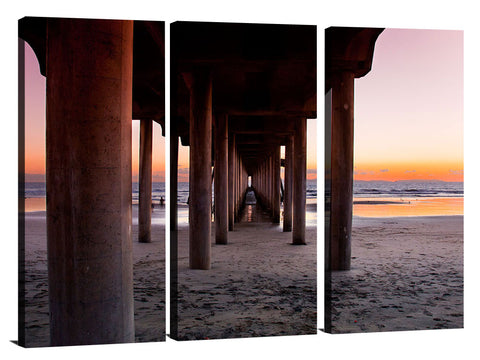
(406, 189)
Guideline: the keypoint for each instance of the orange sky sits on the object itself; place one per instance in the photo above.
(158, 156)
(409, 171)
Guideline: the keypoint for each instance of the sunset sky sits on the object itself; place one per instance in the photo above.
(409, 108)
(35, 128)
(35, 133)
(158, 156)
(34, 115)
(408, 113)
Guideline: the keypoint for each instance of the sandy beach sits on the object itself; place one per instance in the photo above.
(149, 280)
(259, 285)
(407, 274)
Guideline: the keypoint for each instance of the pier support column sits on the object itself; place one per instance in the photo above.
(200, 170)
(265, 183)
(145, 182)
(235, 187)
(342, 171)
(269, 184)
(276, 185)
(89, 181)
(231, 182)
(221, 179)
(299, 181)
(287, 195)
(172, 203)
(264, 192)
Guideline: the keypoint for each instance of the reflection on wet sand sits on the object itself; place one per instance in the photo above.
(392, 207)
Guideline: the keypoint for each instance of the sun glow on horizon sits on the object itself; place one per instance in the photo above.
(409, 171)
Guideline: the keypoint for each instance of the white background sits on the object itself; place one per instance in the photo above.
(457, 15)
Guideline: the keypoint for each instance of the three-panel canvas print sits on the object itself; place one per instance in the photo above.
(232, 160)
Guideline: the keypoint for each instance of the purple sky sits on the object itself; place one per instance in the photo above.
(409, 108)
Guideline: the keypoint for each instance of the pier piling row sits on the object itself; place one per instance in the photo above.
(262, 81)
(254, 85)
(100, 75)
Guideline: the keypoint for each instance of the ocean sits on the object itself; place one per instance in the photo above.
(158, 191)
(408, 189)
(182, 193)
(412, 197)
(35, 190)
(364, 189)
(407, 198)
(38, 190)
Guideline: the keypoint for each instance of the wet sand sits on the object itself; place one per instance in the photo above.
(149, 280)
(259, 285)
(405, 206)
(407, 274)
